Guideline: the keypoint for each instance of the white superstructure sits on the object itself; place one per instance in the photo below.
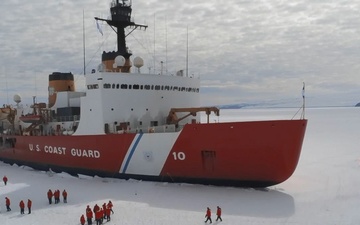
(139, 100)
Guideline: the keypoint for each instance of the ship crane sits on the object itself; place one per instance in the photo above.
(173, 118)
(7, 113)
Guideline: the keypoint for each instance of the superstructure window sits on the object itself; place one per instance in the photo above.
(145, 87)
(92, 86)
(154, 123)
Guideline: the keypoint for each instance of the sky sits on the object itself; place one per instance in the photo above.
(244, 51)
(323, 190)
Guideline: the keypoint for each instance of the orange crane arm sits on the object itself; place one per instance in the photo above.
(173, 119)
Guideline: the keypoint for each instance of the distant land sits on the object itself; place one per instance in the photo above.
(274, 105)
(237, 106)
(264, 104)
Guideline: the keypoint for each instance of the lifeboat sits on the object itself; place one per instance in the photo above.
(31, 118)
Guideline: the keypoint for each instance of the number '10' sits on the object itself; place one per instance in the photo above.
(179, 155)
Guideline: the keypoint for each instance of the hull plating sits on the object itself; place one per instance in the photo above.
(260, 153)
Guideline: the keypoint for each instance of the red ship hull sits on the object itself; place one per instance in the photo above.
(258, 154)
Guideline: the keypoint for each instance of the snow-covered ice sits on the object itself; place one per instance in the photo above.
(325, 188)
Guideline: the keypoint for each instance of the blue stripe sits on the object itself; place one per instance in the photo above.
(132, 152)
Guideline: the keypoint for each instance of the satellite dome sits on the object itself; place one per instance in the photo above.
(138, 62)
(120, 60)
(17, 98)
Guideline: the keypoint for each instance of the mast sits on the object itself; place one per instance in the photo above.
(84, 41)
(120, 11)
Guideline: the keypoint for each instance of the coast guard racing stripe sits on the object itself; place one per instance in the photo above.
(147, 153)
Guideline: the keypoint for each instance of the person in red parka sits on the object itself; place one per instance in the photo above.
(7, 203)
(89, 215)
(50, 195)
(29, 204)
(110, 205)
(5, 179)
(96, 208)
(22, 206)
(82, 219)
(64, 194)
(218, 214)
(98, 217)
(208, 215)
(57, 196)
(104, 210)
(107, 214)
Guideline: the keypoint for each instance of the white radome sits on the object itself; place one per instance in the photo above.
(17, 98)
(138, 62)
(120, 60)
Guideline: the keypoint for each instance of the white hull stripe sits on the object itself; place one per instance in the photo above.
(148, 153)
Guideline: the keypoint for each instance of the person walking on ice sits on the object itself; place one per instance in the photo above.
(89, 215)
(218, 214)
(22, 207)
(64, 194)
(7, 203)
(208, 215)
(50, 195)
(29, 204)
(82, 219)
(5, 179)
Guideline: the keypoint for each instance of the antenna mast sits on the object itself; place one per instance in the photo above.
(84, 40)
(187, 51)
(120, 11)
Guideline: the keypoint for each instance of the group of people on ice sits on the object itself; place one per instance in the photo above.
(21, 205)
(50, 195)
(56, 195)
(101, 213)
(208, 214)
